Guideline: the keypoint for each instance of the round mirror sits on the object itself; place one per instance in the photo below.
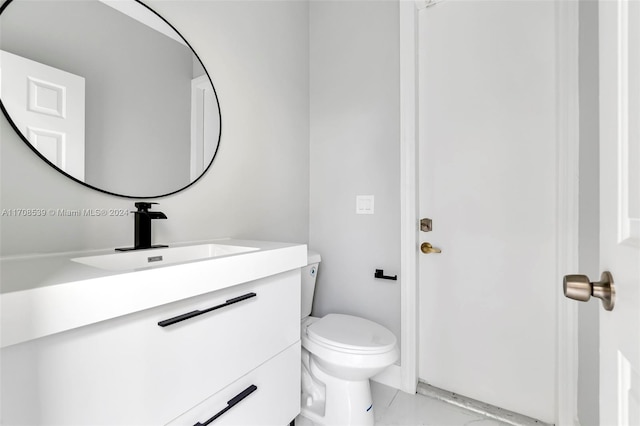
(108, 93)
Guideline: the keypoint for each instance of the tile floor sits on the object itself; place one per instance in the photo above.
(393, 407)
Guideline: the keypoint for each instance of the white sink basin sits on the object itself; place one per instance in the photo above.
(159, 257)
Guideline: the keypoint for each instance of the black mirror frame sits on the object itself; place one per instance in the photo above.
(26, 141)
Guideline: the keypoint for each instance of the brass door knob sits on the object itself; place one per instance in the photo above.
(578, 287)
(427, 248)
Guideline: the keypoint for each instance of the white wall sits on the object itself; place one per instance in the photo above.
(589, 224)
(257, 55)
(355, 150)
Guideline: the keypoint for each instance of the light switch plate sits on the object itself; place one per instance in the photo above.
(364, 204)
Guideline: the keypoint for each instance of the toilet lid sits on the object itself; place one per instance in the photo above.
(351, 333)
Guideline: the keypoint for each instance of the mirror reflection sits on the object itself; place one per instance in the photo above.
(109, 93)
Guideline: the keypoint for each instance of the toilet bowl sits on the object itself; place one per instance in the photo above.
(340, 353)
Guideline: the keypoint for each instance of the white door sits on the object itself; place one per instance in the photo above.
(487, 177)
(620, 210)
(48, 107)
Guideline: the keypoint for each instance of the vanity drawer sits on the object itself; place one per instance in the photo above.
(271, 396)
(130, 370)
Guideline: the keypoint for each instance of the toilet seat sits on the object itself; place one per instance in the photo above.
(352, 334)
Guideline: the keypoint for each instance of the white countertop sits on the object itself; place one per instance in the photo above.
(46, 294)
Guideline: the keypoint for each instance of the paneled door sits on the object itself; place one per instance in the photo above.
(48, 107)
(620, 210)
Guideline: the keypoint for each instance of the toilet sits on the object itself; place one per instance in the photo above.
(340, 353)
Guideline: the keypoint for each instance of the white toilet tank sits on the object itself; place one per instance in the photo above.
(309, 274)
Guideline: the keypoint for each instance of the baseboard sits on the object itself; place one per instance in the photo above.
(392, 377)
(476, 406)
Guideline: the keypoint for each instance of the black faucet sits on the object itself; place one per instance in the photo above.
(142, 227)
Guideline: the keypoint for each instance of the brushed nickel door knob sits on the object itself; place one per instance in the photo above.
(578, 287)
(427, 248)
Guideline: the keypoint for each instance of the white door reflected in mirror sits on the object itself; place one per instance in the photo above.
(205, 126)
(48, 106)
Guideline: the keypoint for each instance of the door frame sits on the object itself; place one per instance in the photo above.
(567, 167)
(408, 195)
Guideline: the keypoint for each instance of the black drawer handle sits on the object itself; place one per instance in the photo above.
(192, 314)
(233, 401)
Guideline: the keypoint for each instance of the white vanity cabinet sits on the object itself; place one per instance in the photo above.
(130, 370)
(261, 397)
